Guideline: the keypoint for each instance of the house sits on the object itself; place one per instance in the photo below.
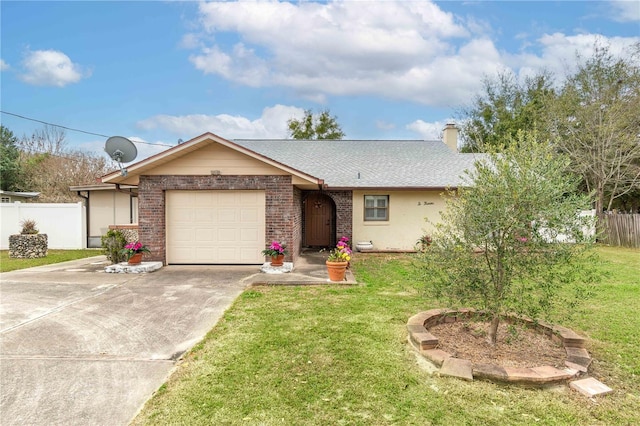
(215, 201)
(11, 196)
(108, 205)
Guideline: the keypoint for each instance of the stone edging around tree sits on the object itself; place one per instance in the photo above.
(577, 361)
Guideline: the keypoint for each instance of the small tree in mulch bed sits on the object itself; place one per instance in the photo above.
(512, 237)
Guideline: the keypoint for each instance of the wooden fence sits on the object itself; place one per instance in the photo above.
(622, 230)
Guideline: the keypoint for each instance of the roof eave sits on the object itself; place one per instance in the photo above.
(116, 177)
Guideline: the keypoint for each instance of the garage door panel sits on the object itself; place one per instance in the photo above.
(204, 236)
(228, 215)
(212, 227)
(227, 235)
(183, 215)
(203, 214)
(204, 254)
(248, 235)
(183, 235)
(249, 215)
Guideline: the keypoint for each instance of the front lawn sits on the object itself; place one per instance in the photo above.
(322, 355)
(53, 256)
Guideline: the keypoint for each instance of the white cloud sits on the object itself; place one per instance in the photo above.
(50, 68)
(3, 65)
(394, 49)
(428, 131)
(384, 125)
(190, 41)
(625, 11)
(339, 48)
(147, 149)
(558, 52)
(271, 125)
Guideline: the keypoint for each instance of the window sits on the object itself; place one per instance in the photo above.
(376, 207)
(5, 200)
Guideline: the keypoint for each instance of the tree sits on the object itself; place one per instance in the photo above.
(9, 160)
(505, 107)
(321, 126)
(597, 124)
(496, 248)
(50, 168)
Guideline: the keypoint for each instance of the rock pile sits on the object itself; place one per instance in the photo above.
(27, 246)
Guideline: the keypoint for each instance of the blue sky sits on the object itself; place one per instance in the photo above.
(157, 72)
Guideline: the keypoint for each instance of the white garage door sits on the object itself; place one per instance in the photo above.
(215, 227)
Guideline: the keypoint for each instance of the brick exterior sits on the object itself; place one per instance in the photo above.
(344, 213)
(283, 221)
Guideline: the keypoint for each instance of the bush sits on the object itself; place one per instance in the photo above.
(29, 227)
(112, 244)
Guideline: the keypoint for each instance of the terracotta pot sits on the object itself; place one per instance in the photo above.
(337, 270)
(136, 259)
(277, 260)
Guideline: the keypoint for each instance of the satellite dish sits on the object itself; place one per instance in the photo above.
(122, 150)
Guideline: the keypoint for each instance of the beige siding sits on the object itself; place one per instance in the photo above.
(109, 208)
(407, 213)
(215, 157)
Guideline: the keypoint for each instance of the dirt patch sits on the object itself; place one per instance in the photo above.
(517, 346)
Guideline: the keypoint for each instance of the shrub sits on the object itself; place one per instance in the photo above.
(29, 227)
(112, 244)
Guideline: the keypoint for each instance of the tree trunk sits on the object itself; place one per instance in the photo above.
(492, 338)
(599, 210)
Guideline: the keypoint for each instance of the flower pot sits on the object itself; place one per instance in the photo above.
(336, 270)
(135, 259)
(277, 260)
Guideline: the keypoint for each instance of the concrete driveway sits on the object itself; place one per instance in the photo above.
(82, 347)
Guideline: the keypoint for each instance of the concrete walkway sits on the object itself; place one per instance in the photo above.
(82, 347)
(79, 346)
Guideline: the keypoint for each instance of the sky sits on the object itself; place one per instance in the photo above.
(158, 72)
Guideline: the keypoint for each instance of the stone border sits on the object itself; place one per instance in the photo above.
(125, 268)
(577, 361)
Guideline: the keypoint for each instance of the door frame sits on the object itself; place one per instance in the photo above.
(332, 228)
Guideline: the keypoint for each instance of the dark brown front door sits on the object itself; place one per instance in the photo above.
(318, 217)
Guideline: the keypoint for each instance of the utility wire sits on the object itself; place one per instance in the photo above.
(75, 130)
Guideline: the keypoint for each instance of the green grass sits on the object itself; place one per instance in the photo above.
(53, 256)
(338, 355)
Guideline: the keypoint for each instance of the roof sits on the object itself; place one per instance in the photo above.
(21, 194)
(335, 164)
(369, 163)
(137, 169)
(100, 187)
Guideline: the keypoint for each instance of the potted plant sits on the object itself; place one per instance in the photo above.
(276, 252)
(338, 260)
(134, 251)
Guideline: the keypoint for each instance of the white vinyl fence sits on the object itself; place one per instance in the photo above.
(64, 223)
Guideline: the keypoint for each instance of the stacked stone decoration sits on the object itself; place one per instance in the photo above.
(28, 246)
(130, 232)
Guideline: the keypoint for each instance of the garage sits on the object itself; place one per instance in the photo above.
(215, 226)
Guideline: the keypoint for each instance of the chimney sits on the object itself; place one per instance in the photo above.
(450, 136)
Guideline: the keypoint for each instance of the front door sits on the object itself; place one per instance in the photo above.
(318, 220)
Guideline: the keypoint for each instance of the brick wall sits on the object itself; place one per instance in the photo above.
(344, 212)
(297, 223)
(283, 209)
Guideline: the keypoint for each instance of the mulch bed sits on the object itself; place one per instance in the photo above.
(517, 346)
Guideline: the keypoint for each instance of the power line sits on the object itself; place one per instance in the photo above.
(75, 130)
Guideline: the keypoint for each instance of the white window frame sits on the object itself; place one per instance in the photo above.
(5, 199)
(375, 208)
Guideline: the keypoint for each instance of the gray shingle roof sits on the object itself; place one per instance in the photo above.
(369, 163)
